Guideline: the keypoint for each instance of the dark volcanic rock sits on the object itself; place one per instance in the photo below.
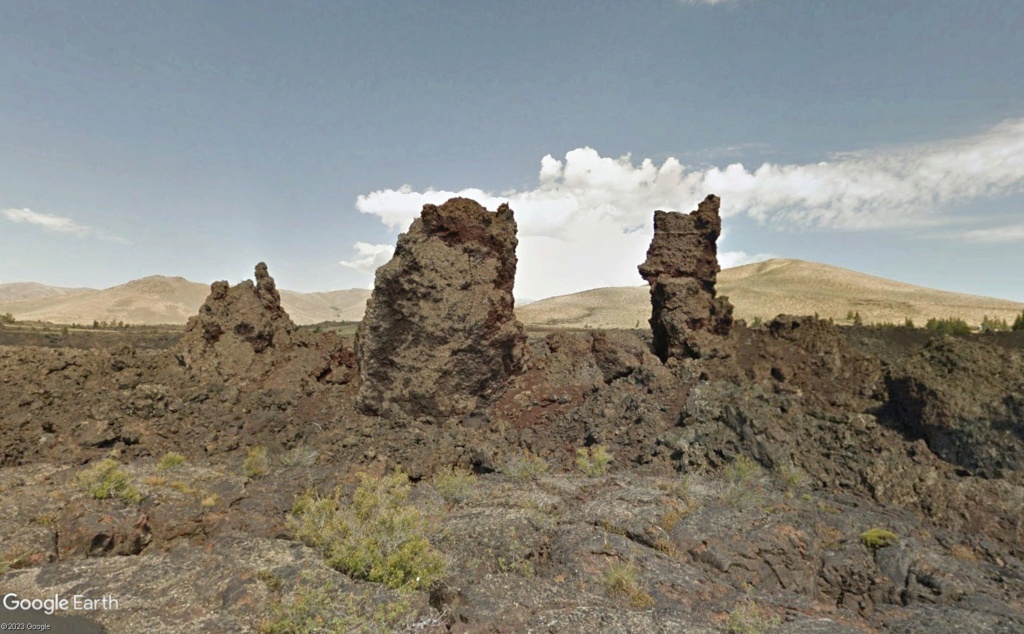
(682, 267)
(966, 399)
(243, 334)
(439, 333)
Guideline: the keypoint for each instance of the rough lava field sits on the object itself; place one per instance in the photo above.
(700, 475)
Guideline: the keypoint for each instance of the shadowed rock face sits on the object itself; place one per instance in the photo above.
(439, 334)
(681, 267)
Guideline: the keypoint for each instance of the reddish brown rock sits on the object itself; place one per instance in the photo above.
(439, 336)
(682, 267)
(243, 334)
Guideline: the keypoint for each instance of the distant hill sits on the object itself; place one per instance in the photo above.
(766, 289)
(172, 300)
(760, 290)
(16, 291)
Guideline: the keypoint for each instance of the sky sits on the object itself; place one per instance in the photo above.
(195, 139)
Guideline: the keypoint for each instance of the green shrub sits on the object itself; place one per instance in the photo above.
(876, 538)
(991, 324)
(377, 537)
(256, 463)
(950, 326)
(525, 466)
(593, 461)
(106, 479)
(171, 460)
(908, 323)
(454, 484)
(1018, 323)
(7, 318)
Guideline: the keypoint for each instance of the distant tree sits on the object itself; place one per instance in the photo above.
(6, 318)
(994, 325)
(1018, 323)
(908, 323)
(949, 326)
(857, 321)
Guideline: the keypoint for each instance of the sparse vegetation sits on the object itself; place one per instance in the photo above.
(171, 460)
(377, 537)
(875, 538)
(7, 318)
(1018, 323)
(210, 501)
(299, 456)
(106, 479)
(256, 463)
(620, 579)
(593, 461)
(742, 475)
(525, 466)
(454, 484)
(751, 618)
(792, 477)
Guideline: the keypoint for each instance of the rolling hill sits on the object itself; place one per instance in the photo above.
(764, 289)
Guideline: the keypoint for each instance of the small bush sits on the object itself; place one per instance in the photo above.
(210, 501)
(991, 324)
(620, 579)
(171, 460)
(525, 466)
(750, 618)
(106, 479)
(7, 318)
(593, 461)
(256, 463)
(908, 323)
(743, 470)
(792, 477)
(299, 456)
(454, 484)
(876, 538)
(377, 537)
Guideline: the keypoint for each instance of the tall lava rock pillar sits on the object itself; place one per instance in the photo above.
(682, 267)
(439, 336)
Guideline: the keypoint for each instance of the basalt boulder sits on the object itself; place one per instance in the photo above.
(439, 336)
(687, 319)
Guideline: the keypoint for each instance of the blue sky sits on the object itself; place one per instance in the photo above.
(197, 138)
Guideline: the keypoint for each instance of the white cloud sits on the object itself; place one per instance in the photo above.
(59, 224)
(369, 256)
(579, 226)
(1009, 233)
(46, 221)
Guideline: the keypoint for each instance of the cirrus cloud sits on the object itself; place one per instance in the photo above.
(48, 222)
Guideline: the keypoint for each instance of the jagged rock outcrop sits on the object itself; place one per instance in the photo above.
(681, 267)
(243, 334)
(439, 334)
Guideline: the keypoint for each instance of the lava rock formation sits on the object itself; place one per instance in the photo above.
(681, 267)
(439, 335)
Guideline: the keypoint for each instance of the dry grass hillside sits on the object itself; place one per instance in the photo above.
(16, 291)
(760, 290)
(766, 289)
(172, 300)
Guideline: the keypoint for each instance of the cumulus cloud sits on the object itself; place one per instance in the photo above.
(1009, 233)
(369, 256)
(46, 221)
(588, 221)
